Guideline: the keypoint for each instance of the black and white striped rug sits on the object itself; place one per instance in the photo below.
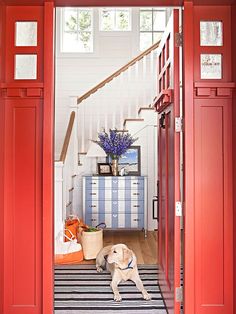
(80, 289)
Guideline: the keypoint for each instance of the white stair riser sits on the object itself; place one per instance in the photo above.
(150, 116)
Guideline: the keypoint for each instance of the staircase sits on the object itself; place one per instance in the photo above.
(117, 102)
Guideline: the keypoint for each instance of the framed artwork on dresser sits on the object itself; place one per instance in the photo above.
(104, 169)
(130, 161)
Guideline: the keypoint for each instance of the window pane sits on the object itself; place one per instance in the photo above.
(25, 67)
(145, 40)
(211, 33)
(78, 42)
(157, 36)
(211, 66)
(86, 41)
(145, 21)
(159, 20)
(26, 34)
(77, 35)
(85, 20)
(107, 20)
(123, 20)
(70, 21)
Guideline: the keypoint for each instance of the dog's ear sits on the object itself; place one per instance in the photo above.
(127, 255)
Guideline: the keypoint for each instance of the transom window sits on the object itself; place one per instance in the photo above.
(115, 19)
(151, 27)
(77, 30)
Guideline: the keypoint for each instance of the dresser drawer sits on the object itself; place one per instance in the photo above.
(121, 206)
(92, 183)
(114, 194)
(113, 220)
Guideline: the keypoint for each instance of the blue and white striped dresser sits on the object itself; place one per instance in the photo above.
(120, 202)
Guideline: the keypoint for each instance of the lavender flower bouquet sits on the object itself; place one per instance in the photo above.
(115, 143)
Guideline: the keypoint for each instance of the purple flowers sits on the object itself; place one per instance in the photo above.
(115, 143)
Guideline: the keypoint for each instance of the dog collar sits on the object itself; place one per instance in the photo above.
(128, 267)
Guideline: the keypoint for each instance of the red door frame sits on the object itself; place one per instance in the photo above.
(48, 140)
(48, 159)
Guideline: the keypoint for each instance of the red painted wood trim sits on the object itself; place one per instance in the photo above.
(118, 3)
(177, 250)
(21, 85)
(164, 99)
(2, 144)
(233, 18)
(189, 293)
(215, 84)
(133, 3)
(48, 159)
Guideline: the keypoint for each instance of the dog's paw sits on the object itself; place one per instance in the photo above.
(146, 296)
(117, 297)
(99, 269)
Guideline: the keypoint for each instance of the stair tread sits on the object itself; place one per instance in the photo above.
(133, 120)
(145, 108)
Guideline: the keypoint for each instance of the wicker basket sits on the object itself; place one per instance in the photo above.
(92, 243)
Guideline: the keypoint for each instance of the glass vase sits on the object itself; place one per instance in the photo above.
(114, 167)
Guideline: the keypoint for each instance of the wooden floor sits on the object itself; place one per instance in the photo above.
(145, 249)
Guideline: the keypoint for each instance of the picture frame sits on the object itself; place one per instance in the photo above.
(104, 169)
(130, 161)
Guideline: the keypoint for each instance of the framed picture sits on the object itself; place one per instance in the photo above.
(130, 161)
(104, 169)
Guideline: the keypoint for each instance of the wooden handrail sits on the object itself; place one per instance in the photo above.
(67, 137)
(118, 72)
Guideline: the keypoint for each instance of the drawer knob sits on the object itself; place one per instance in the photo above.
(136, 183)
(93, 193)
(136, 193)
(136, 206)
(93, 219)
(93, 183)
(136, 219)
(92, 206)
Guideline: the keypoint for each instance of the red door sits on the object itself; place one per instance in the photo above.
(26, 99)
(167, 105)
